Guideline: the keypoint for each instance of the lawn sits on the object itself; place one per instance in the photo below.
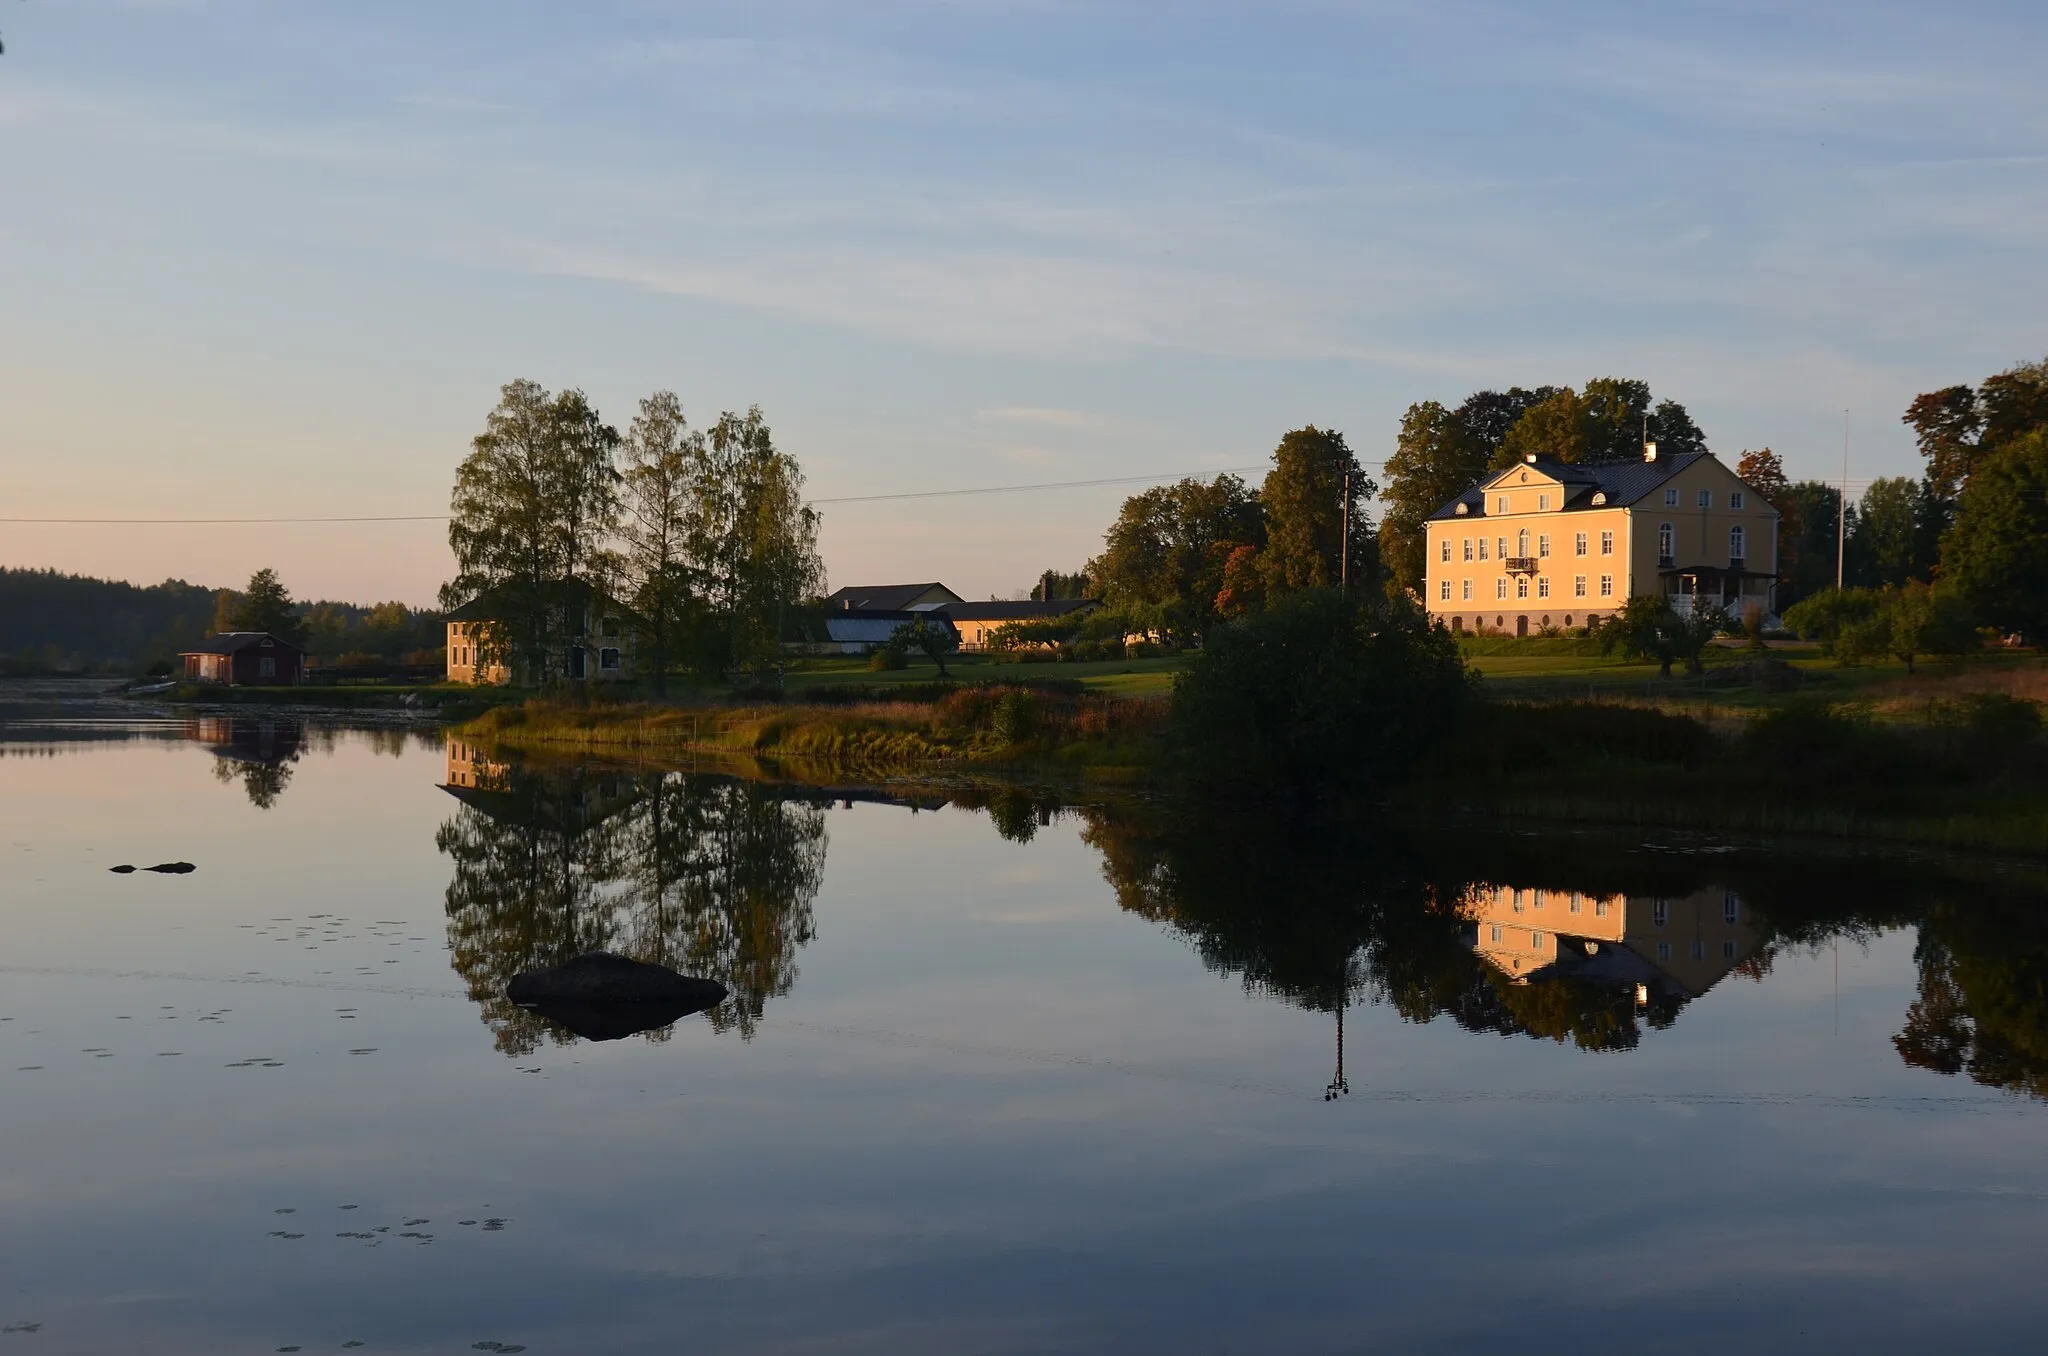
(1114, 677)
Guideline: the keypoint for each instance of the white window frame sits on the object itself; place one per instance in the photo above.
(1444, 592)
(1737, 500)
(1606, 543)
(1579, 544)
(1543, 586)
(1667, 542)
(1500, 587)
(1468, 548)
(1466, 591)
(1500, 503)
(1543, 546)
(1521, 586)
(1578, 586)
(1738, 542)
(1446, 553)
(1482, 548)
(1522, 543)
(1543, 503)
(1606, 586)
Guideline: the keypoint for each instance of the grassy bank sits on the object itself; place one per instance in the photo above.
(1070, 730)
(449, 701)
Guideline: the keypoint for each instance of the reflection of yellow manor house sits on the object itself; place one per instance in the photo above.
(1546, 544)
(469, 767)
(1680, 947)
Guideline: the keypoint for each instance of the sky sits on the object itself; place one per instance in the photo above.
(265, 259)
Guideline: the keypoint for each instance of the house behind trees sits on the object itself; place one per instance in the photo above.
(589, 637)
(245, 659)
(1544, 543)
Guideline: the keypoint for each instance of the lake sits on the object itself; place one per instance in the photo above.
(996, 1073)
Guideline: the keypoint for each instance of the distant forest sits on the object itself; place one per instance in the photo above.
(68, 623)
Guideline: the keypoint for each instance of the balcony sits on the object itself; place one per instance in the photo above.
(1519, 564)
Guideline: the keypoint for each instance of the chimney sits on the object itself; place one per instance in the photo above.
(1649, 451)
(1529, 457)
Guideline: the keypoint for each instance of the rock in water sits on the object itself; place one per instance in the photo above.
(173, 868)
(603, 997)
(123, 869)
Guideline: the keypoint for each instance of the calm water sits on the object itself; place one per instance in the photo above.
(994, 1078)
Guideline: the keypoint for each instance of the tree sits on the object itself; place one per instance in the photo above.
(1947, 424)
(532, 508)
(1053, 585)
(753, 540)
(1559, 429)
(1644, 628)
(1436, 458)
(1851, 624)
(1764, 472)
(2014, 402)
(1304, 499)
(1806, 564)
(1320, 690)
(1885, 546)
(1995, 556)
(933, 642)
(1163, 550)
(1243, 590)
(265, 605)
(1920, 619)
(657, 491)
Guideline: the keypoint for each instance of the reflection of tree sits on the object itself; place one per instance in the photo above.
(1983, 1004)
(709, 876)
(259, 753)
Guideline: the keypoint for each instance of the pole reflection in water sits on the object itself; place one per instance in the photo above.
(709, 876)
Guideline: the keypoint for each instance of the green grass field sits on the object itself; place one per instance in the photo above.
(1116, 677)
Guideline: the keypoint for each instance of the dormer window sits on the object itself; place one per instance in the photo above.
(1501, 504)
(268, 642)
(1543, 503)
(1599, 498)
(1462, 509)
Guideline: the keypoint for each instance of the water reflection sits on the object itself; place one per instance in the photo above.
(709, 876)
(256, 751)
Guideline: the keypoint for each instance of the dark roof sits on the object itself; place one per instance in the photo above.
(234, 642)
(883, 597)
(1021, 611)
(1623, 482)
(491, 605)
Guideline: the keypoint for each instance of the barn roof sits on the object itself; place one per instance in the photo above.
(234, 642)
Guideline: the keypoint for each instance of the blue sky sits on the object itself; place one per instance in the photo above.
(266, 257)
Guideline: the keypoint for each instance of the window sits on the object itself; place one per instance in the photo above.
(1501, 504)
(1543, 587)
(1496, 932)
(1543, 503)
(1706, 498)
(1660, 913)
(1521, 898)
(1444, 591)
(1536, 939)
(1543, 544)
(1521, 586)
(611, 626)
(1577, 898)
(1482, 548)
(1599, 908)
(1536, 900)
(1500, 587)
(1466, 591)
(1699, 950)
(1446, 557)
(1663, 951)
(1671, 498)
(1579, 544)
(1606, 543)
(268, 642)
(266, 667)
(1522, 542)
(608, 659)
(1666, 543)
(1731, 907)
(1578, 586)
(1735, 499)
(1727, 951)
(1738, 542)
(1468, 548)
(1606, 586)
(1500, 547)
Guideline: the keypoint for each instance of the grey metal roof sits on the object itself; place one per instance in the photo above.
(234, 642)
(1623, 482)
(884, 597)
(874, 626)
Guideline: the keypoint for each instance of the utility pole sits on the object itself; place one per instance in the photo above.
(1842, 509)
(1344, 547)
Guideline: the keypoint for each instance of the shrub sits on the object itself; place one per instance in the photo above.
(1321, 690)
(1016, 717)
(887, 658)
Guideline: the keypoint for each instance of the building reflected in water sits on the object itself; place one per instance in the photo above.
(1657, 948)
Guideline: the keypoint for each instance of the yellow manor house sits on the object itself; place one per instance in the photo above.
(1546, 544)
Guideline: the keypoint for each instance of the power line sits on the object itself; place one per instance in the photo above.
(839, 499)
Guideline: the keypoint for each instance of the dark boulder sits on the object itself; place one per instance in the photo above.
(603, 997)
(173, 868)
(123, 869)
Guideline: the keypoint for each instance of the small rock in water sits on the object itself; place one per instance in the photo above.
(123, 869)
(173, 868)
(601, 997)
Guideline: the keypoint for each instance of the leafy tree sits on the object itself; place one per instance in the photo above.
(1053, 585)
(2015, 403)
(1764, 472)
(1435, 459)
(933, 642)
(1806, 564)
(657, 491)
(1995, 556)
(1162, 551)
(266, 605)
(1850, 624)
(1304, 499)
(1243, 590)
(1886, 545)
(753, 540)
(532, 507)
(1320, 690)
(1645, 627)
(1605, 421)
(1920, 619)
(1947, 424)
(1560, 429)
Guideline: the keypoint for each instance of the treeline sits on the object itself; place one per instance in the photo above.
(703, 532)
(64, 623)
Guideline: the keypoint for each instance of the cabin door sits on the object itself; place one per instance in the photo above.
(576, 661)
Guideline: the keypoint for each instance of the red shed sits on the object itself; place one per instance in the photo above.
(245, 658)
